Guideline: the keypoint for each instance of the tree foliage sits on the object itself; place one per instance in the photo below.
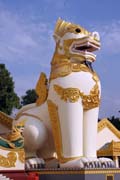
(29, 97)
(115, 121)
(8, 97)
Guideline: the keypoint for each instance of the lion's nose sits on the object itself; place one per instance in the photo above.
(96, 35)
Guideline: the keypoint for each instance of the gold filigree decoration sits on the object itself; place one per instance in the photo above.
(73, 94)
(67, 68)
(92, 100)
(21, 156)
(8, 161)
(81, 171)
(14, 135)
(9, 143)
(68, 94)
(54, 117)
(41, 89)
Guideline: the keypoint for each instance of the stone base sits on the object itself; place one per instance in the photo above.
(78, 174)
(64, 174)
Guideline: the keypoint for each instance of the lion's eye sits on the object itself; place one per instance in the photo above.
(78, 30)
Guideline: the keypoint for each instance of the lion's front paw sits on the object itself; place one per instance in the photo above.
(34, 163)
(89, 163)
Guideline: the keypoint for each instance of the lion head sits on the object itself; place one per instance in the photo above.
(74, 42)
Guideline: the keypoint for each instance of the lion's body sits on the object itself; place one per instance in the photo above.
(64, 119)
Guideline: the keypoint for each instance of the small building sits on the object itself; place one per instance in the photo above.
(108, 141)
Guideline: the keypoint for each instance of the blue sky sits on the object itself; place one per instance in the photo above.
(26, 43)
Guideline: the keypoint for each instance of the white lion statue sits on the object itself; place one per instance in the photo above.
(62, 125)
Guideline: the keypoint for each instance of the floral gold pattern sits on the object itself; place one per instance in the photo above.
(14, 135)
(68, 94)
(8, 161)
(41, 89)
(54, 117)
(67, 68)
(73, 94)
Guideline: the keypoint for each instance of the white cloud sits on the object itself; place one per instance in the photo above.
(25, 44)
(23, 41)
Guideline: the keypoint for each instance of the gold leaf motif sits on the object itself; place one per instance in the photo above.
(14, 135)
(41, 89)
(73, 94)
(67, 68)
(8, 161)
(54, 117)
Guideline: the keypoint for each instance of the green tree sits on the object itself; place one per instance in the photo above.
(29, 98)
(115, 121)
(8, 97)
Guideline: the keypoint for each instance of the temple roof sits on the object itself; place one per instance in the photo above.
(105, 123)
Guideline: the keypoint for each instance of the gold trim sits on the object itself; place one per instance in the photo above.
(68, 94)
(90, 171)
(6, 120)
(66, 68)
(10, 143)
(113, 149)
(105, 123)
(73, 94)
(8, 161)
(54, 117)
(15, 149)
(15, 135)
(41, 89)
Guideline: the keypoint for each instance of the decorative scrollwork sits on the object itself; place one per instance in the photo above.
(66, 68)
(73, 94)
(8, 161)
(68, 94)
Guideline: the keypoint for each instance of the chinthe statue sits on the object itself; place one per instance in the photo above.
(61, 127)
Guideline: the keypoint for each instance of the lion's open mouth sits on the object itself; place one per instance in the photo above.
(85, 46)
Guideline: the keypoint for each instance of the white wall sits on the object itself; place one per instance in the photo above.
(104, 136)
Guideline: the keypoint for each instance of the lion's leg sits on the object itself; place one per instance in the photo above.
(90, 142)
(67, 125)
(71, 123)
(90, 122)
(35, 135)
